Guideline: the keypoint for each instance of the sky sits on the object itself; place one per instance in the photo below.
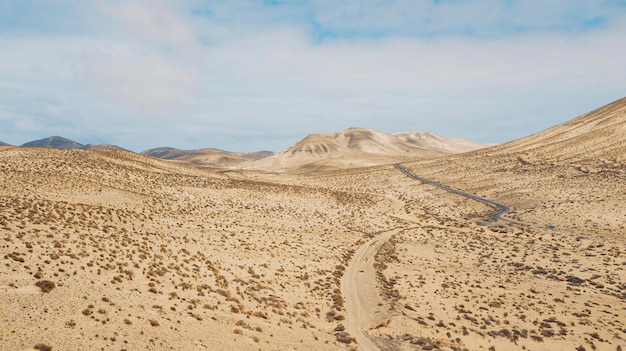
(248, 75)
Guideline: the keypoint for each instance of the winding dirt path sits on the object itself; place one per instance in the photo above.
(364, 305)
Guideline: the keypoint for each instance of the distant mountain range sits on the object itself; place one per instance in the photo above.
(206, 157)
(57, 142)
(358, 147)
(202, 157)
(353, 147)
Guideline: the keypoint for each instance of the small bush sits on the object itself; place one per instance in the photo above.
(45, 286)
(345, 338)
(43, 347)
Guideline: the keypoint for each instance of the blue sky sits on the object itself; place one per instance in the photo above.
(252, 75)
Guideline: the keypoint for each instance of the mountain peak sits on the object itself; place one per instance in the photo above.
(56, 142)
(355, 147)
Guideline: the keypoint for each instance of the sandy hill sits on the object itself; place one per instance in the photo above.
(579, 163)
(206, 157)
(597, 136)
(358, 147)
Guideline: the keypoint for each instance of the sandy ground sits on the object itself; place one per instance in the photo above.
(148, 255)
(504, 287)
(458, 281)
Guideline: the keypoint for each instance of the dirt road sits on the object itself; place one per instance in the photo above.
(502, 208)
(364, 305)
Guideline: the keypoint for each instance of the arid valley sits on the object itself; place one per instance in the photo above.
(326, 246)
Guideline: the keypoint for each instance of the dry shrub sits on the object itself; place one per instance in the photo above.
(45, 286)
(43, 347)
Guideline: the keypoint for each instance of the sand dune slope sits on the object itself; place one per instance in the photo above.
(596, 136)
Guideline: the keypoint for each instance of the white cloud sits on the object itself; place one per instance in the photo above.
(253, 77)
(155, 21)
(143, 81)
(486, 18)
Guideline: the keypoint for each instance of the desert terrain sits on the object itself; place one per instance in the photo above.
(111, 250)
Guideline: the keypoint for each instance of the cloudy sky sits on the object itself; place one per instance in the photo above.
(250, 75)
